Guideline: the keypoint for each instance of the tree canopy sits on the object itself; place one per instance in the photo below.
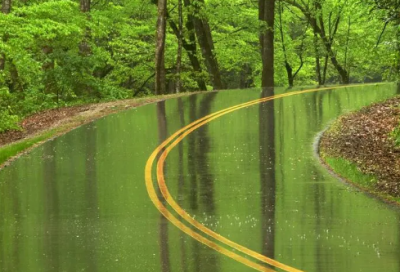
(60, 52)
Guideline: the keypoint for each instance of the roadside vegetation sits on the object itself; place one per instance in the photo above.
(363, 148)
(57, 53)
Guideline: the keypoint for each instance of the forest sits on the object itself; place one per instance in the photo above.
(59, 52)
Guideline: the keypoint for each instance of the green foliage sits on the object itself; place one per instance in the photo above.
(7, 121)
(396, 135)
(45, 65)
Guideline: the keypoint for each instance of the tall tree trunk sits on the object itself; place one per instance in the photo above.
(179, 53)
(396, 65)
(266, 13)
(317, 60)
(160, 47)
(288, 67)
(85, 6)
(191, 48)
(49, 78)
(84, 46)
(189, 45)
(346, 66)
(325, 69)
(6, 6)
(206, 43)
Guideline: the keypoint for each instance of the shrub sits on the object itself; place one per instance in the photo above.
(8, 121)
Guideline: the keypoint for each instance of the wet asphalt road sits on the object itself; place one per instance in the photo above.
(80, 201)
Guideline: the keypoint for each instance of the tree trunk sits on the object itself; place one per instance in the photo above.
(317, 60)
(85, 6)
(267, 14)
(179, 53)
(84, 47)
(344, 75)
(160, 47)
(6, 6)
(189, 46)
(397, 60)
(49, 79)
(325, 69)
(289, 71)
(288, 67)
(206, 43)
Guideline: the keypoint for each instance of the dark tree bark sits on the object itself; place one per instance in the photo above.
(190, 48)
(163, 223)
(85, 5)
(267, 165)
(84, 46)
(6, 6)
(289, 69)
(204, 37)
(189, 45)
(179, 53)
(49, 78)
(160, 47)
(266, 13)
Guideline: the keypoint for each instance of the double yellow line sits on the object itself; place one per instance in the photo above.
(162, 152)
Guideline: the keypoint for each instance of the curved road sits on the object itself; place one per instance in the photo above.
(239, 179)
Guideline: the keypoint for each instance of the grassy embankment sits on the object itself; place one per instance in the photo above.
(11, 150)
(350, 171)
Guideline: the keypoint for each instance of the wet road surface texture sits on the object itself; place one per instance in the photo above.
(240, 190)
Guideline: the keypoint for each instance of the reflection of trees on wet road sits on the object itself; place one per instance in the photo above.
(267, 173)
(10, 213)
(91, 196)
(79, 202)
(51, 209)
(181, 183)
(201, 179)
(163, 230)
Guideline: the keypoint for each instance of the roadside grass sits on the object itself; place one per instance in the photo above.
(11, 150)
(351, 174)
(350, 171)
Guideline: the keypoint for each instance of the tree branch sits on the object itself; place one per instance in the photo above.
(383, 31)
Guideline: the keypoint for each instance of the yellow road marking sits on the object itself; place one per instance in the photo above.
(163, 210)
(164, 190)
